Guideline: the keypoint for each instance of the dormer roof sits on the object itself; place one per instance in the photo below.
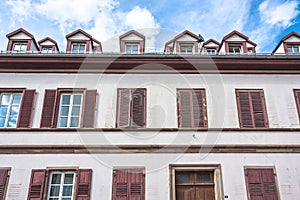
(20, 30)
(132, 32)
(21, 35)
(285, 38)
(48, 39)
(211, 41)
(78, 31)
(235, 32)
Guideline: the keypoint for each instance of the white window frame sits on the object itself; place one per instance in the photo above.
(211, 51)
(131, 48)
(293, 48)
(9, 108)
(20, 45)
(79, 44)
(48, 49)
(61, 185)
(69, 117)
(234, 47)
(186, 46)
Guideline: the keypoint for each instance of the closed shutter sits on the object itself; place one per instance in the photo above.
(297, 98)
(36, 186)
(128, 184)
(47, 120)
(83, 188)
(251, 108)
(26, 109)
(124, 97)
(138, 107)
(261, 184)
(89, 109)
(3, 182)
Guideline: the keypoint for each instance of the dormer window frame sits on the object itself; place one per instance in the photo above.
(12, 44)
(131, 50)
(181, 44)
(294, 45)
(52, 47)
(132, 42)
(208, 49)
(85, 42)
(241, 45)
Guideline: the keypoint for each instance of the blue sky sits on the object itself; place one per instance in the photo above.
(265, 22)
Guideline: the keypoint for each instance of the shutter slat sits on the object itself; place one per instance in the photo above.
(3, 182)
(135, 182)
(245, 110)
(89, 109)
(197, 100)
(36, 186)
(120, 189)
(83, 191)
(258, 112)
(123, 108)
(26, 109)
(185, 120)
(47, 119)
(138, 107)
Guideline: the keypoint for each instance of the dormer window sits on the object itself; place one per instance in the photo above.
(293, 49)
(78, 48)
(132, 48)
(47, 50)
(211, 51)
(235, 49)
(186, 48)
(20, 47)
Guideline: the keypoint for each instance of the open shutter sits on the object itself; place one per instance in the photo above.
(269, 184)
(138, 107)
(26, 109)
(199, 108)
(120, 189)
(36, 186)
(136, 184)
(244, 109)
(124, 99)
(3, 182)
(83, 188)
(89, 109)
(185, 112)
(48, 113)
(258, 106)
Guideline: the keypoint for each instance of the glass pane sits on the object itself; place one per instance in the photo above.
(2, 121)
(135, 48)
(5, 99)
(296, 49)
(65, 100)
(203, 177)
(74, 122)
(75, 110)
(77, 99)
(14, 111)
(290, 49)
(67, 190)
(68, 198)
(17, 47)
(56, 178)
(183, 178)
(53, 199)
(75, 47)
(23, 47)
(64, 111)
(68, 179)
(63, 122)
(12, 122)
(54, 191)
(82, 48)
(128, 48)
(3, 111)
(17, 99)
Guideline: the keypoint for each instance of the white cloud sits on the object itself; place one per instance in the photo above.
(140, 18)
(281, 15)
(21, 9)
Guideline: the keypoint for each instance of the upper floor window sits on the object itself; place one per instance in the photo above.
(252, 109)
(234, 49)
(78, 48)
(211, 51)
(293, 49)
(186, 48)
(4, 176)
(9, 109)
(191, 108)
(20, 47)
(250, 51)
(47, 50)
(132, 48)
(131, 107)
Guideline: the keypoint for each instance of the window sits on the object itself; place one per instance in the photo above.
(69, 108)
(211, 51)
(251, 109)
(293, 49)
(191, 108)
(78, 48)
(297, 98)
(261, 183)
(16, 108)
(128, 184)
(132, 48)
(131, 107)
(196, 182)
(235, 49)
(250, 51)
(186, 48)
(47, 50)
(20, 47)
(4, 176)
(62, 184)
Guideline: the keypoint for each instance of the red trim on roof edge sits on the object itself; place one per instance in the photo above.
(79, 31)
(285, 38)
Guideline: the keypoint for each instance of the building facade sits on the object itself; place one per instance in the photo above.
(199, 121)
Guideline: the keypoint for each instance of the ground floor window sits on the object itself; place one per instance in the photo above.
(196, 183)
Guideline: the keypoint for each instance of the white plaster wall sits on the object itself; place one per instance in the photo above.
(222, 49)
(293, 39)
(132, 36)
(280, 49)
(249, 45)
(235, 37)
(47, 42)
(79, 36)
(33, 47)
(211, 44)
(20, 36)
(157, 171)
(186, 38)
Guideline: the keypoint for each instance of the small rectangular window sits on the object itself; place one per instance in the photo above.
(78, 48)
(61, 186)
(9, 109)
(186, 48)
(132, 48)
(47, 50)
(4, 176)
(235, 49)
(293, 49)
(211, 51)
(20, 47)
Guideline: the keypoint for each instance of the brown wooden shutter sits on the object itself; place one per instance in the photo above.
(297, 98)
(89, 109)
(36, 186)
(124, 97)
(199, 108)
(26, 109)
(48, 113)
(136, 184)
(3, 182)
(138, 107)
(84, 181)
(258, 106)
(185, 112)
(261, 184)
(120, 189)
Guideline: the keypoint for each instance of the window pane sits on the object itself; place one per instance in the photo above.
(3, 111)
(66, 198)
(67, 190)
(12, 122)
(2, 121)
(77, 99)
(66, 99)
(14, 111)
(63, 122)
(23, 47)
(56, 178)
(53, 199)
(183, 178)
(68, 179)
(75, 48)
(82, 48)
(64, 111)
(17, 99)
(54, 191)
(74, 122)
(296, 49)
(76, 111)
(5, 99)
(203, 177)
